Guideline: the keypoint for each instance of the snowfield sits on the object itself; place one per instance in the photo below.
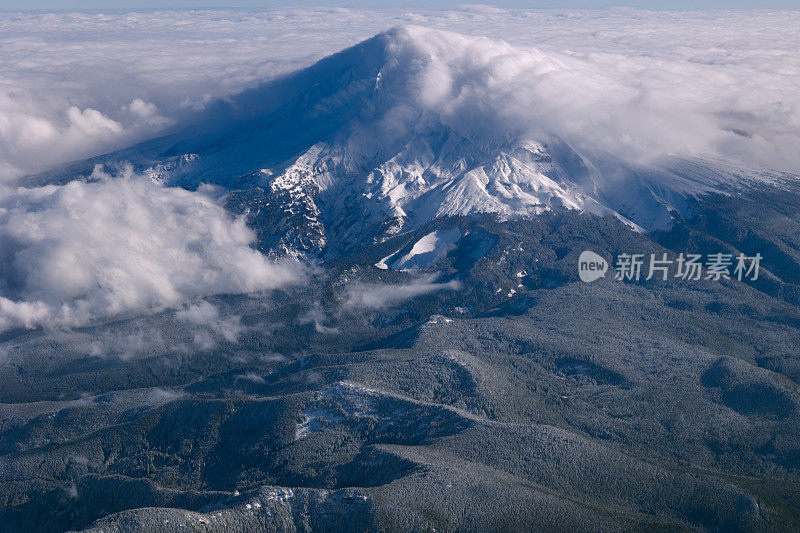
(425, 251)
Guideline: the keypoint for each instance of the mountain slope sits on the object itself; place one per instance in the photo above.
(407, 126)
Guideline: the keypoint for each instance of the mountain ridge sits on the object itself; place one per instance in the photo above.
(375, 139)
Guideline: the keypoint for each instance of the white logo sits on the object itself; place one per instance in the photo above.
(591, 266)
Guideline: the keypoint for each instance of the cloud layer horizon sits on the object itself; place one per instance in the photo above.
(74, 85)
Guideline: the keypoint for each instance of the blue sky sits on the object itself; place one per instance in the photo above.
(116, 5)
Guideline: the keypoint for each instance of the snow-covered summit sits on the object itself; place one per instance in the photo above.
(407, 126)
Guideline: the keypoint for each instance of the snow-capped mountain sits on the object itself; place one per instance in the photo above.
(407, 126)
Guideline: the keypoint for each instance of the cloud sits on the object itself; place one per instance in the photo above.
(725, 82)
(142, 342)
(635, 107)
(107, 247)
(208, 318)
(80, 460)
(380, 296)
(317, 316)
(75, 85)
(158, 396)
(31, 141)
(252, 377)
(71, 490)
(270, 357)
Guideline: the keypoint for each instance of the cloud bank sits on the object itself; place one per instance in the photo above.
(89, 250)
(73, 85)
(635, 108)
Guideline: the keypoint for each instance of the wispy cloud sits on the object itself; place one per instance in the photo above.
(158, 396)
(252, 377)
(317, 316)
(380, 296)
(207, 319)
(125, 345)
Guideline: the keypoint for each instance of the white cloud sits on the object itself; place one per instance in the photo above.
(80, 460)
(267, 358)
(146, 113)
(73, 84)
(208, 318)
(252, 377)
(90, 122)
(89, 250)
(158, 396)
(71, 490)
(635, 107)
(31, 141)
(143, 342)
(379, 296)
(317, 316)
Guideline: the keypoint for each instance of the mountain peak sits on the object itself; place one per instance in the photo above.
(410, 125)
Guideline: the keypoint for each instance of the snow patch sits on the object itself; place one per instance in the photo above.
(427, 250)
